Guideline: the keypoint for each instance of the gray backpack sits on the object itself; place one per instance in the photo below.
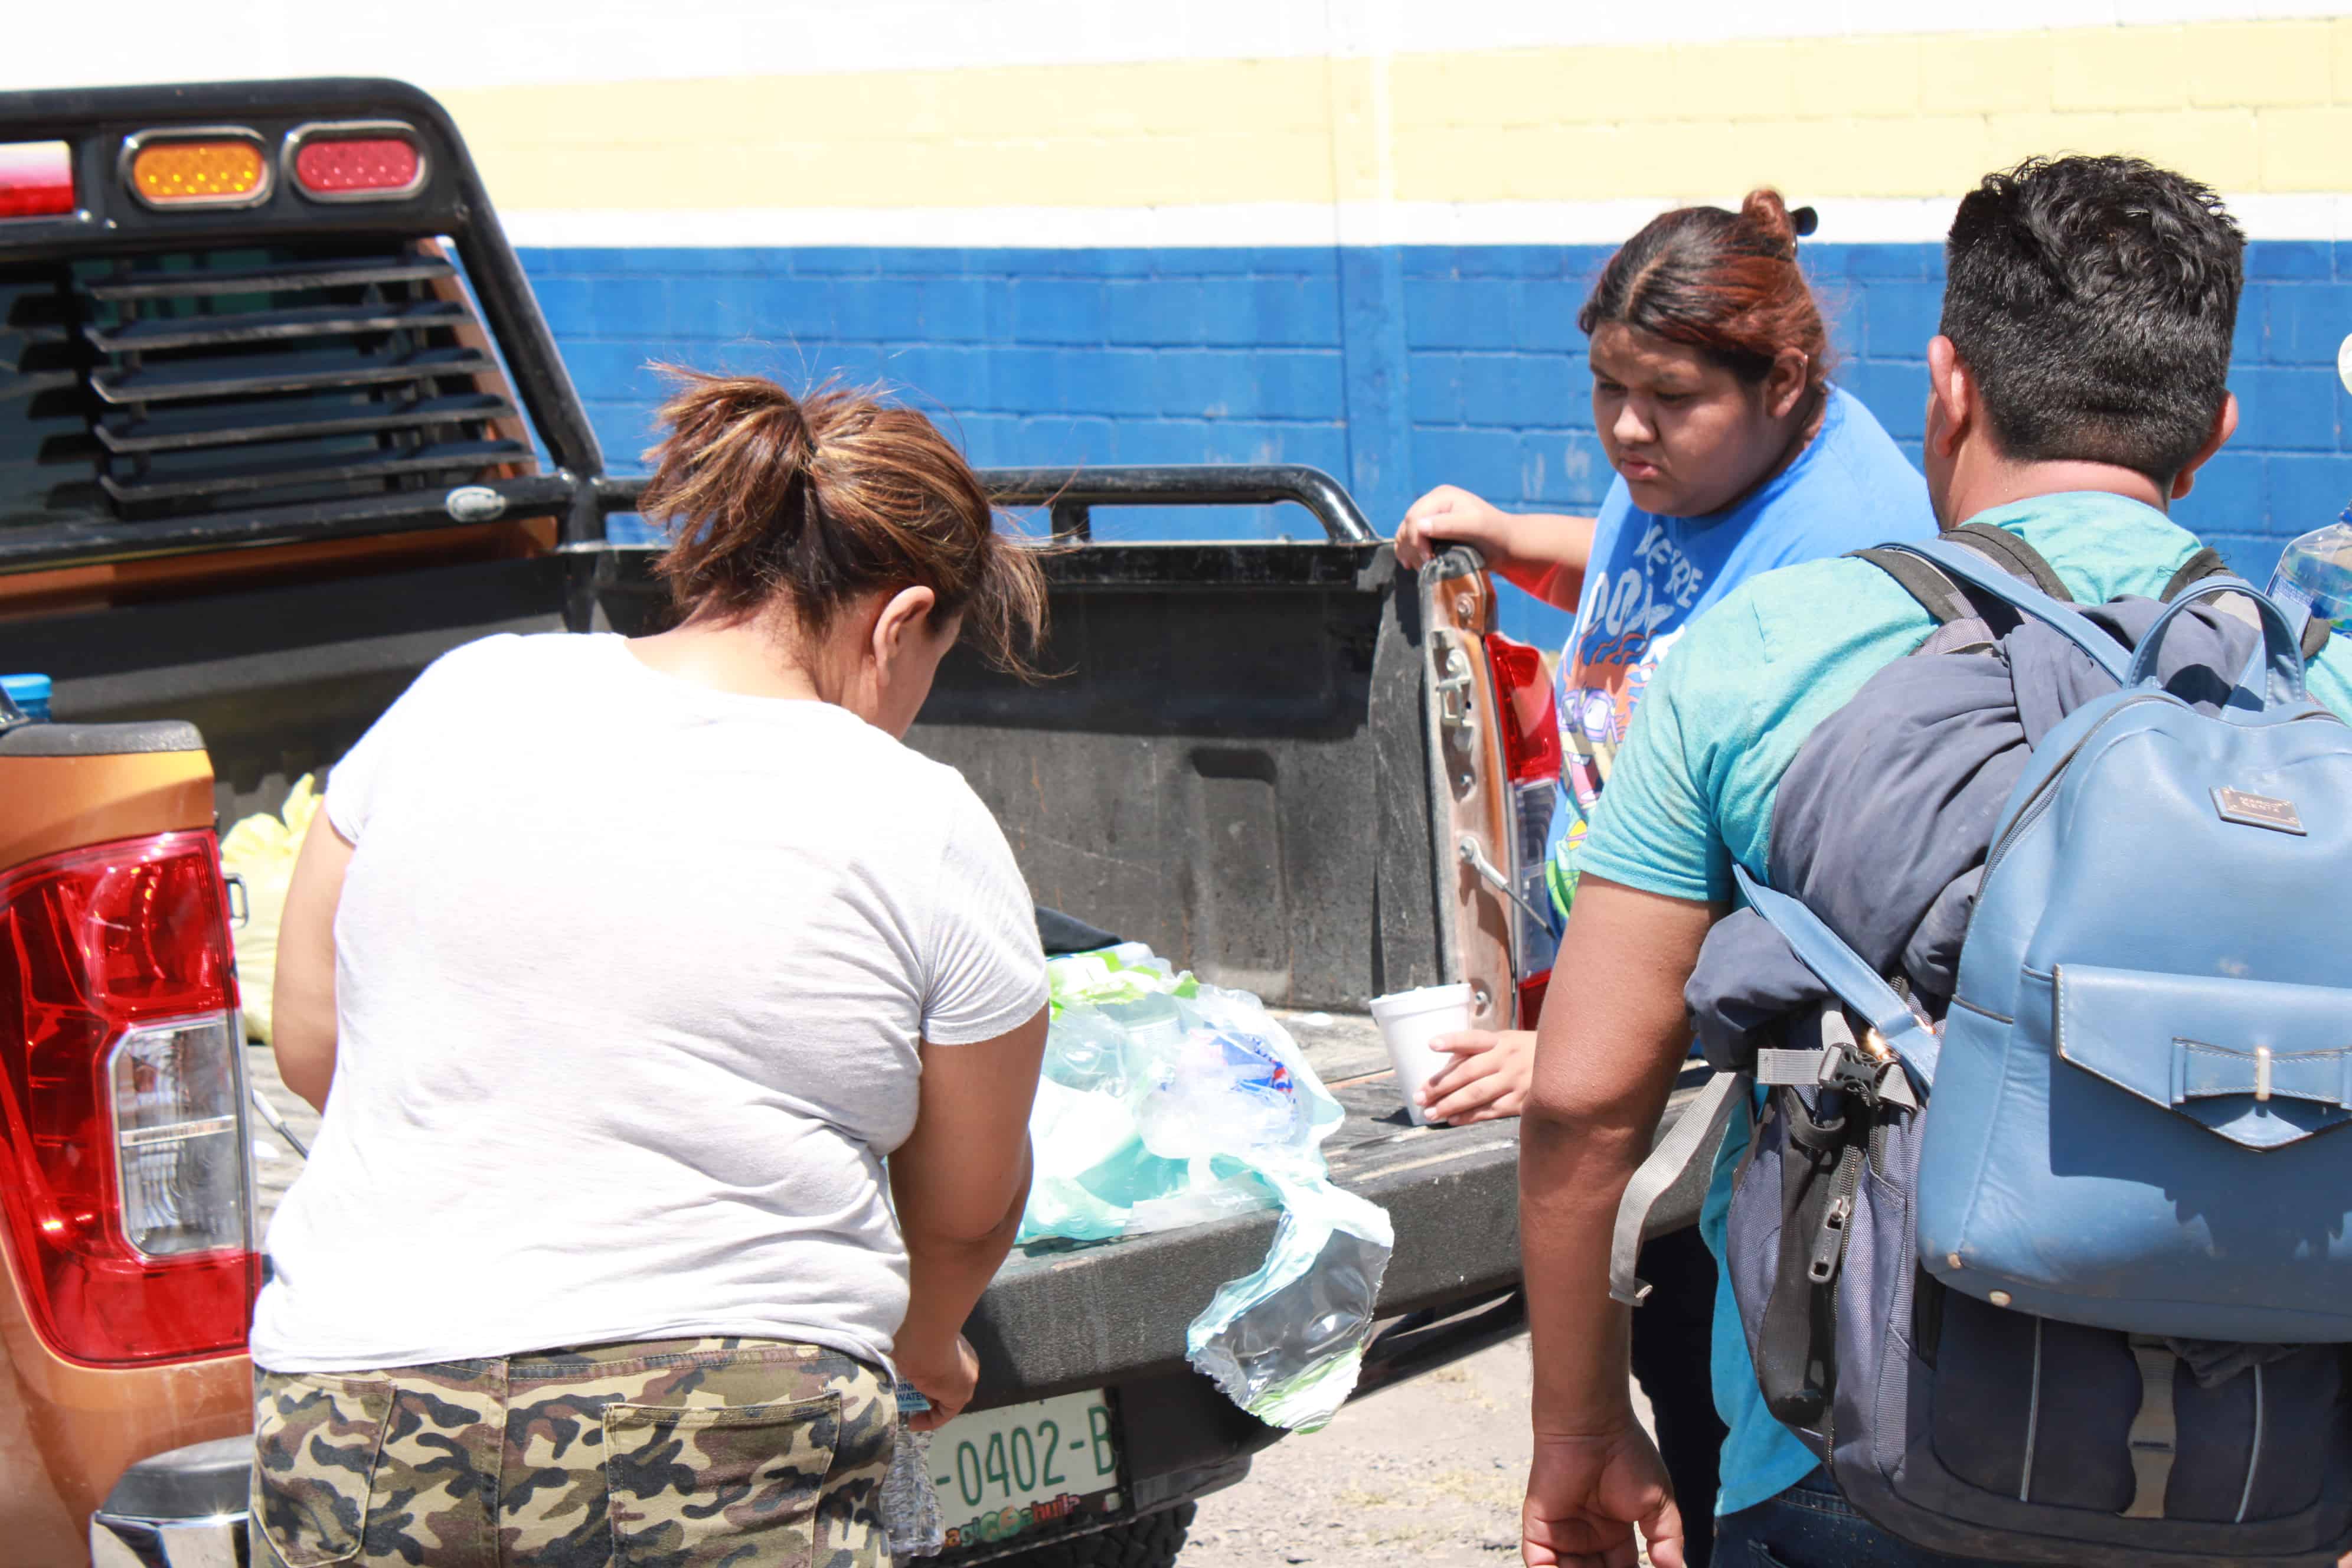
(1959, 1423)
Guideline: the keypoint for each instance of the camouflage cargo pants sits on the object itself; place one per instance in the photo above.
(662, 1454)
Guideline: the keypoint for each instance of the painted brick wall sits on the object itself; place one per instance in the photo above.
(1247, 355)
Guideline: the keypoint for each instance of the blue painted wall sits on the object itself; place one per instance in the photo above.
(1395, 369)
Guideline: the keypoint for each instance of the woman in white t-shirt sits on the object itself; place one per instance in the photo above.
(619, 967)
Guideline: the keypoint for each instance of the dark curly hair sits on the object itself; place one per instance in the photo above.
(2094, 300)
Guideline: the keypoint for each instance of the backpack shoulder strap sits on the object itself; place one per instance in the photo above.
(2006, 549)
(1936, 593)
(1842, 968)
(1964, 563)
(2208, 563)
(1691, 1141)
(1946, 601)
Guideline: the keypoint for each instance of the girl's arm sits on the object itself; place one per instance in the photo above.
(1543, 552)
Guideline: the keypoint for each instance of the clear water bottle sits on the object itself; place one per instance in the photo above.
(911, 1504)
(2316, 571)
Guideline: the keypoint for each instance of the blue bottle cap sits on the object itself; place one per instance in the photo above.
(30, 692)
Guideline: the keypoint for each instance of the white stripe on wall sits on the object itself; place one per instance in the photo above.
(1851, 221)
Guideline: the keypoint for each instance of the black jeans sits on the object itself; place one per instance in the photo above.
(1810, 1526)
(1672, 1334)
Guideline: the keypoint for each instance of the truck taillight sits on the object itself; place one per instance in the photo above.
(1530, 725)
(123, 1093)
(370, 160)
(1529, 716)
(35, 179)
(220, 166)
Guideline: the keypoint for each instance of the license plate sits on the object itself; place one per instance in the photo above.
(1007, 1472)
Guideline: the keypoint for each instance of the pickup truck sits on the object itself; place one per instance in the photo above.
(280, 423)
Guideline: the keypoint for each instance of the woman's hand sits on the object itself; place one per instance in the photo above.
(945, 1376)
(1452, 515)
(1488, 1078)
(1585, 1495)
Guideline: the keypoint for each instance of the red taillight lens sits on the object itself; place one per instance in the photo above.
(1531, 999)
(125, 1203)
(1531, 726)
(1530, 721)
(369, 162)
(35, 179)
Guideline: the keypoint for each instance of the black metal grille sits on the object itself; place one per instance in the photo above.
(222, 380)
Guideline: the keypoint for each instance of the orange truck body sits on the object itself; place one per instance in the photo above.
(67, 1430)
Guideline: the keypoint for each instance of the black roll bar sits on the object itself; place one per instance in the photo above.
(1072, 493)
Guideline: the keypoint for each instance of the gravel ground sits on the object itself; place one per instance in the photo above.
(1429, 1473)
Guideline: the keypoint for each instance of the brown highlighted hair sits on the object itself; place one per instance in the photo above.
(1725, 283)
(812, 502)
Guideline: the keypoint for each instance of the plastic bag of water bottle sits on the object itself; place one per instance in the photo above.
(1166, 1102)
(910, 1502)
(1163, 1103)
(1287, 1343)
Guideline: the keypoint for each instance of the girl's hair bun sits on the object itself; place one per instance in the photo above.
(1768, 216)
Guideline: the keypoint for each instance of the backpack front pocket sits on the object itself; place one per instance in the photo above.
(316, 1440)
(706, 1485)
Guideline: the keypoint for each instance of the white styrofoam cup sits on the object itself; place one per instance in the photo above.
(1409, 1020)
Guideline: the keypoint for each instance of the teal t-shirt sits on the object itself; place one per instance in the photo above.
(1694, 781)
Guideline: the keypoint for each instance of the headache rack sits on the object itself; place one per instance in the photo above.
(185, 374)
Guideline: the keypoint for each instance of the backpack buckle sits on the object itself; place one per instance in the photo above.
(1852, 1073)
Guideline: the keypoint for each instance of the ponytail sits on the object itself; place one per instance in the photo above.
(820, 501)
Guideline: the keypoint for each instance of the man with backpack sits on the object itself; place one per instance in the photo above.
(2078, 385)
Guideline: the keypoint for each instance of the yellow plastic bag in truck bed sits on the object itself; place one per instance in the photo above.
(261, 849)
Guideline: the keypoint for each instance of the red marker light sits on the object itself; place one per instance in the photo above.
(35, 179)
(357, 163)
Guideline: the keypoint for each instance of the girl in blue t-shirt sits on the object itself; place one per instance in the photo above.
(1733, 454)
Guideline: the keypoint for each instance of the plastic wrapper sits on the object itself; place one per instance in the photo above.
(1166, 1102)
(1287, 1343)
(910, 1503)
(261, 849)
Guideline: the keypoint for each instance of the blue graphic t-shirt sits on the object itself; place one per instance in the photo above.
(1850, 487)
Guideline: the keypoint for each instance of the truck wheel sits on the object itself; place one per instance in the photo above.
(1151, 1541)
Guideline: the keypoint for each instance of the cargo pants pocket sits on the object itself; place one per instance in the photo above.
(315, 1443)
(702, 1485)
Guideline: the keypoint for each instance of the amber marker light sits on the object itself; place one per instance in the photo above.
(208, 168)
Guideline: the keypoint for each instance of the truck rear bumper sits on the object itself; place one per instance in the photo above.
(184, 1509)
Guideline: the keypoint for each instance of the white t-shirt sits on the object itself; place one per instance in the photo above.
(630, 977)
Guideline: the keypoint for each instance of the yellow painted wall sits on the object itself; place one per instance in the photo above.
(2262, 106)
